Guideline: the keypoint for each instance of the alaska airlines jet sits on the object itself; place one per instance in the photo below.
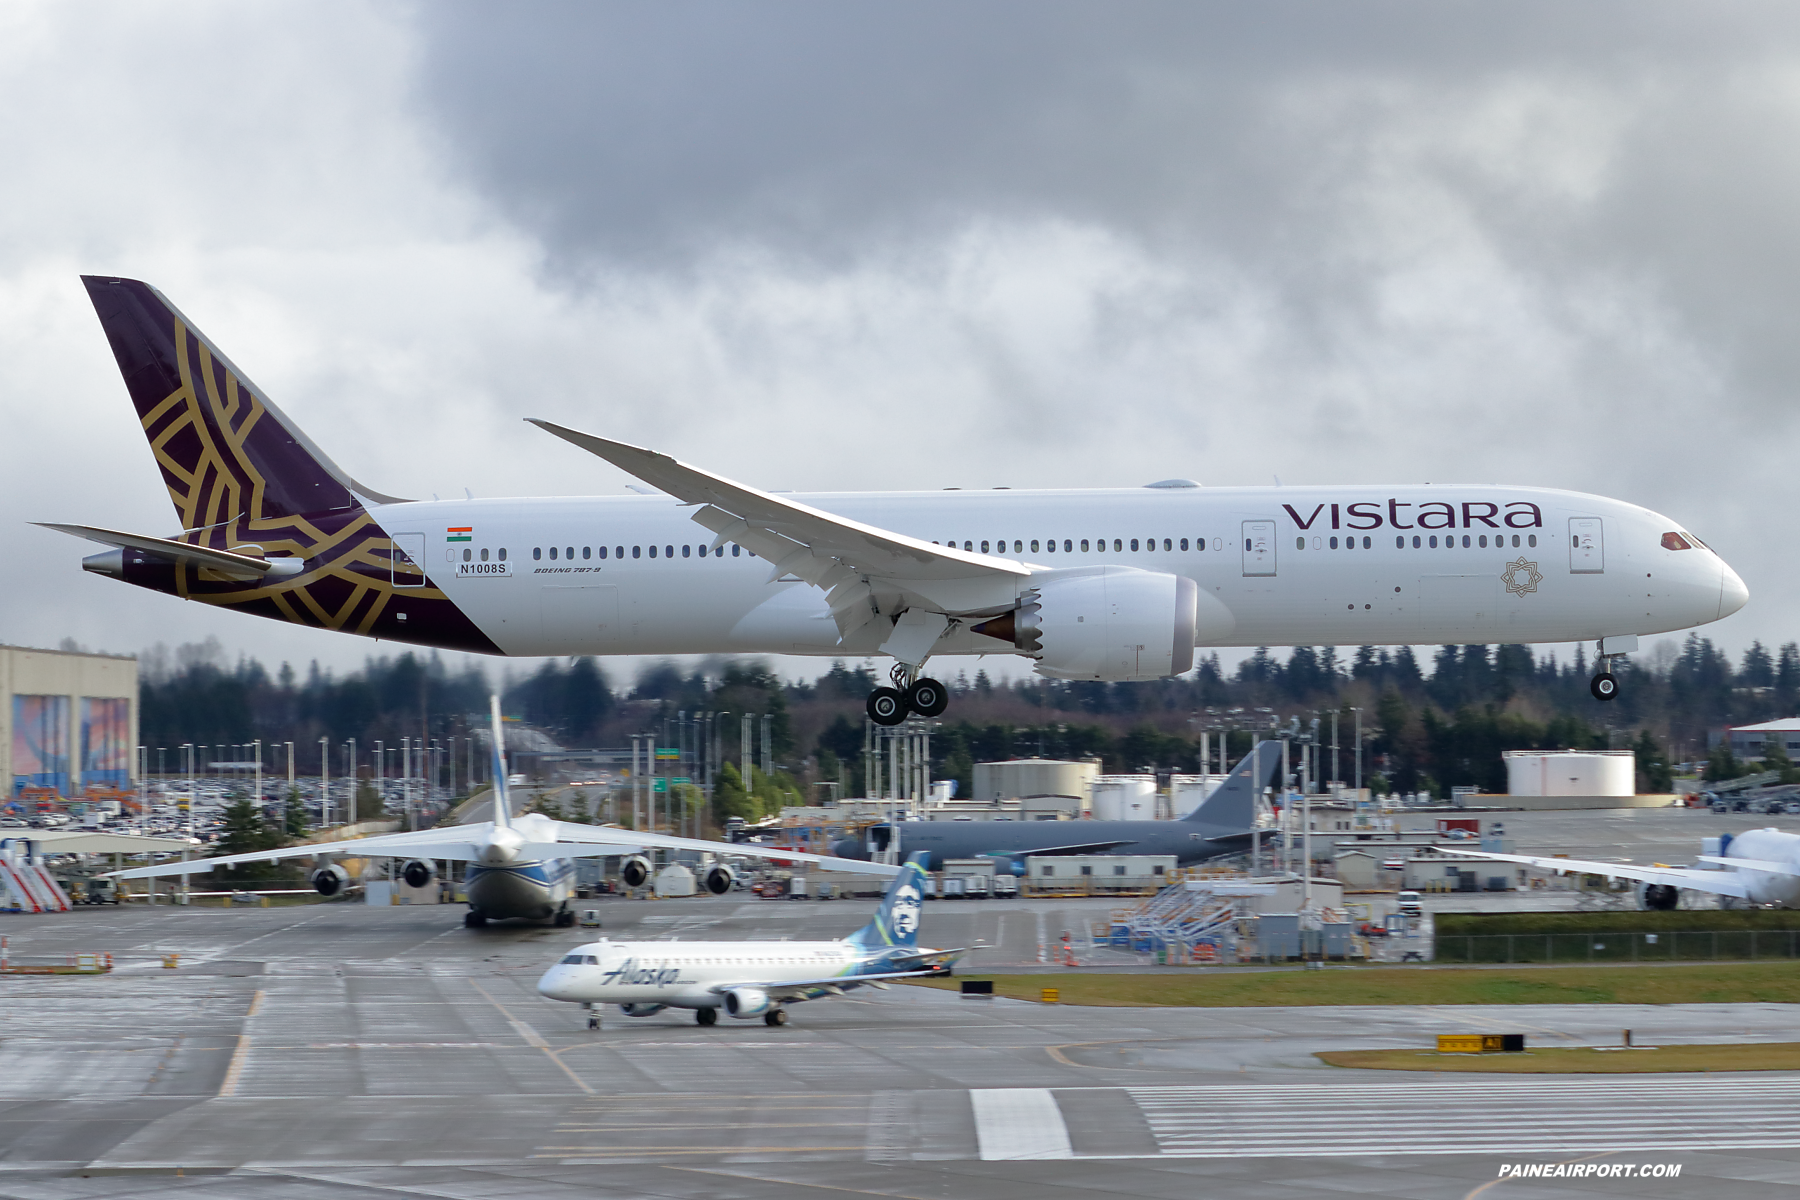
(1100, 584)
(1761, 866)
(518, 866)
(1220, 824)
(751, 979)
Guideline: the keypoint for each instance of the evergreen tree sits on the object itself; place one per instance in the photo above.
(1654, 776)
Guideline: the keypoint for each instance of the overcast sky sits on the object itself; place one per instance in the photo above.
(819, 245)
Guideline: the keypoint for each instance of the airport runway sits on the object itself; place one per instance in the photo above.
(345, 1051)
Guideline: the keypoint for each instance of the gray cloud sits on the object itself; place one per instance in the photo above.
(822, 246)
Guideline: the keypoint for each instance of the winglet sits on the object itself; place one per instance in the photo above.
(502, 800)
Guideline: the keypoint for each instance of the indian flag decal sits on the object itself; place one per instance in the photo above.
(460, 533)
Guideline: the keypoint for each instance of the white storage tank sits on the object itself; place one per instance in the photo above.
(1571, 772)
(1124, 798)
(1020, 777)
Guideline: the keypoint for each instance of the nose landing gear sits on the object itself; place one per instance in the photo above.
(1605, 686)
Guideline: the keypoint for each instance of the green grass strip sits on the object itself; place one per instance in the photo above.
(1709, 983)
(1582, 1060)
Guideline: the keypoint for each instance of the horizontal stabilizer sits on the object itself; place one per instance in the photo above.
(180, 552)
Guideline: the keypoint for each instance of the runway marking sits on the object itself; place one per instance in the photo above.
(236, 1066)
(1019, 1123)
(534, 1038)
(1466, 1117)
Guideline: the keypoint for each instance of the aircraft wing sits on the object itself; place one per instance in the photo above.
(1753, 864)
(1071, 848)
(1719, 883)
(812, 989)
(451, 842)
(590, 841)
(865, 571)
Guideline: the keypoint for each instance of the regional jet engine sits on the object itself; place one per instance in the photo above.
(719, 879)
(418, 873)
(746, 1001)
(635, 871)
(330, 880)
(641, 1010)
(1114, 623)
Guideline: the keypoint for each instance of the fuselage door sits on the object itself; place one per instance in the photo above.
(409, 560)
(1259, 548)
(1587, 546)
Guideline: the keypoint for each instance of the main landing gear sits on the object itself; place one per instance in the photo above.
(910, 696)
(1605, 686)
(564, 918)
(474, 919)
(775, 1016)
(706, 1016)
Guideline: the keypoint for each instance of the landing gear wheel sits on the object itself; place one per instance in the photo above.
(1605, 686)
(775, 1016)
(886, 706)
(473, 920)
(927, 698)
(706, 1016)
(593, 1022)
(564, 919)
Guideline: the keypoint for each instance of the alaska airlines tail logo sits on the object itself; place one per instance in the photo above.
(905, 916)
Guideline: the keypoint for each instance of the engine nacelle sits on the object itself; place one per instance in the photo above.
(418, 873)
(746, 1002)
(330, 880)
(1661, 896)
(635, 871)
(718, 879)
(641, 1010)
(1119, 624)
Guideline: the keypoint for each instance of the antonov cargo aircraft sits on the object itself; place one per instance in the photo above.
(519, 866)
(750, 979)
(1098, 584)
(1760, 866)
(1221, 824)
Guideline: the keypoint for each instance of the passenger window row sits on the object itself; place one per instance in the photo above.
(469, 555)
(588, 552)
(1422, 541)
(998, 546)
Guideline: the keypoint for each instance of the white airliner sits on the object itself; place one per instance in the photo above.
(1761, 866)
(1098, 584)
(518, 866)
(751, 979)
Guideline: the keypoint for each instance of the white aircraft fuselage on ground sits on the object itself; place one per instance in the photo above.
(1115, 584)
(751, 979)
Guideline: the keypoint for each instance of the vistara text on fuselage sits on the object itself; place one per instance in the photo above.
(1113, 584)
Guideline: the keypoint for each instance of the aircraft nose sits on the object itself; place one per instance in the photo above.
(557, 984)
(1733, 595)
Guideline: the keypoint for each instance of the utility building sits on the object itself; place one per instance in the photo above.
(68, 722)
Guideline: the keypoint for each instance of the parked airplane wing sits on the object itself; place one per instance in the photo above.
(807, 989)
(451, 842)
(587, 841)
(846, 558)
(1719, 883)
(1753, 864)
(1071, 848)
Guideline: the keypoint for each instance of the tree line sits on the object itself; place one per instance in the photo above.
(1430, 722)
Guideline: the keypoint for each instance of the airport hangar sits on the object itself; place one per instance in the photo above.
(68, 723)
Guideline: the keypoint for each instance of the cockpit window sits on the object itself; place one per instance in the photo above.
(1674, 541)
(574, 958)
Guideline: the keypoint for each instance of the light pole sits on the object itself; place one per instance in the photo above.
(354, 774)
(324, 781)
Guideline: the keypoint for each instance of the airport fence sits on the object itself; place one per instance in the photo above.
(1675, 946)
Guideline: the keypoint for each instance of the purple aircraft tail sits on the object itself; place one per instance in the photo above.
(227, 455)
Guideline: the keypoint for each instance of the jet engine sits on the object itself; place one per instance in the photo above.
(635, 871)
(718, 879)
(641, 1010)
(746, 1002)
(330, 880)
(418, 873)
(1119, 624)
(1661, 896)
